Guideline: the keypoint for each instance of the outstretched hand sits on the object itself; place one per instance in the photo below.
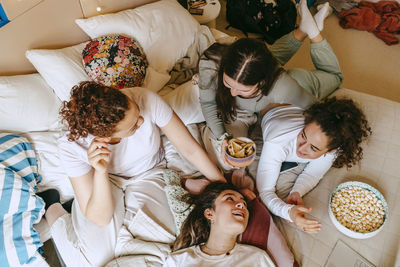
(297, 214)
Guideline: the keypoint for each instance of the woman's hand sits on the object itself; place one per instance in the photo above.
(99, 154)
(248, 194)
(196, 186)
(295, 199)
(224, 146)
(297, 214)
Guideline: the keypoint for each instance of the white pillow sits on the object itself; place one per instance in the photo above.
(154, 80)
(49, 163)
(61, 68)
(164, 29)
(184, 100)
(27, 104)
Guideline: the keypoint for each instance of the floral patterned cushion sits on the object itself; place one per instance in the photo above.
(116, 61)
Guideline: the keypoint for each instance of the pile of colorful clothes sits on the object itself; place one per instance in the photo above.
(381, 18)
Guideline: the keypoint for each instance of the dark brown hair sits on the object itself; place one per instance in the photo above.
(196, 228)
(247, 61)
(345, 125)
(93, 109)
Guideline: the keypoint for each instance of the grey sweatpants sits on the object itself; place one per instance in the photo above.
(327, 75)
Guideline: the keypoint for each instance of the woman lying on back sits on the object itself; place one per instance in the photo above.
(209, 234)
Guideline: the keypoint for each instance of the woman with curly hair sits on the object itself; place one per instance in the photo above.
(116, 132)
(239, 80)
(209, 234)
(328, 133)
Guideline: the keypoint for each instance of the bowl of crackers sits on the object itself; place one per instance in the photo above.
(241, 152)
(357, 209)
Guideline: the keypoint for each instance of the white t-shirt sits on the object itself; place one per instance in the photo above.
(134, 154)
(280, 127)
(240, 256)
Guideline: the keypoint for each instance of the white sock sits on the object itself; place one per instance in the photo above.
(307, 23)
(324, 11)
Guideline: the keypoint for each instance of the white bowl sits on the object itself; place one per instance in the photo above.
(346, 230)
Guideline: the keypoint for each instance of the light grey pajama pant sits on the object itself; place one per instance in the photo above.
(327, 75)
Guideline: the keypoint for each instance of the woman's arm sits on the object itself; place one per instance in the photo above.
(313, 173)
(272, 156)
(208, 83)
(180, 137)
(93, 190)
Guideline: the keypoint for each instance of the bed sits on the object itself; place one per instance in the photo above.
(168, 40)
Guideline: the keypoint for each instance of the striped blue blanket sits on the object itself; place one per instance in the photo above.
(20, 208)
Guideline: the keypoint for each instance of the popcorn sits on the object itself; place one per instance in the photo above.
(358, 209)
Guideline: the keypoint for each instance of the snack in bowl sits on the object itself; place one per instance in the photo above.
(240, 151)
(358, 209)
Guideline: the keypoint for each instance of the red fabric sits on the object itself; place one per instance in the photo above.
(262, 233)
(364, 19)
(386, 6)
(381, 18)
(259, 221)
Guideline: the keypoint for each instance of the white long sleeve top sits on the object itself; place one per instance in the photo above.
(280, 127)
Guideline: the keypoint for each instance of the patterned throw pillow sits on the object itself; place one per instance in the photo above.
(116, 61)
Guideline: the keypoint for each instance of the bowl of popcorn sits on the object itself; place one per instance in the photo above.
(240, 152)
(357, 209)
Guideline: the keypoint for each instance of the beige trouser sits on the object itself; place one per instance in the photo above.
(82, 243)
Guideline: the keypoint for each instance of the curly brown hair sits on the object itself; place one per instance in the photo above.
(346, 126)
(93, 109)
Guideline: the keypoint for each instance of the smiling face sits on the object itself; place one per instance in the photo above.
(131, 122)
(230, 213)
(312, 142)
(238, 89)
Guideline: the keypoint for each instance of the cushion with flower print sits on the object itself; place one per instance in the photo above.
(116, 61)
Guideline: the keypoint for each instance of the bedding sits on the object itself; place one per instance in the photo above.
(115, 60)
(164, 38)
(20, 208)
(60, 69)
(27, 104)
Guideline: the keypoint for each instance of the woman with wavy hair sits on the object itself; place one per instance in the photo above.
(237, 81)
(328, 133)
(209, 234)
(111, 131)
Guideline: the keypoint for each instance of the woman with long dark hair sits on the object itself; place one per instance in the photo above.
(238, 81)
(209, 234)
